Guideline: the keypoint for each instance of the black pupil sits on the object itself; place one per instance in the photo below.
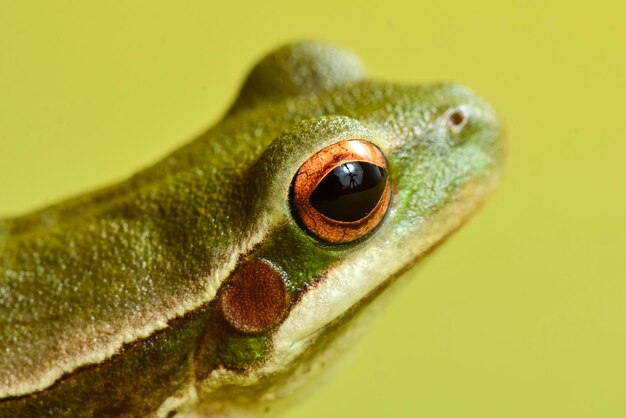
(350, 191)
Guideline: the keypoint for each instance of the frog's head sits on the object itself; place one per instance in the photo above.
(364, 179)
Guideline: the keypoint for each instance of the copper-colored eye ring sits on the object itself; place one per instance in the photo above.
(313, 171)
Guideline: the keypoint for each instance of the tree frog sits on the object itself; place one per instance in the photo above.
(232, 273)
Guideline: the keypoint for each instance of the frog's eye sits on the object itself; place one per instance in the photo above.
(342, 193)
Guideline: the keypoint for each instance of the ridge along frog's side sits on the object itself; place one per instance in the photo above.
(224, 277)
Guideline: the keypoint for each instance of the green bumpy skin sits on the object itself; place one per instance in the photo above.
(107, 300)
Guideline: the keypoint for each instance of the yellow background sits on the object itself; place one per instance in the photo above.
(521, 314)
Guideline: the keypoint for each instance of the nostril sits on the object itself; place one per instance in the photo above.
(456, 118)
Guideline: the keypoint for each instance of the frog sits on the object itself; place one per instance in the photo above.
(229, 277)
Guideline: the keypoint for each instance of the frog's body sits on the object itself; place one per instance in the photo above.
(107, 301)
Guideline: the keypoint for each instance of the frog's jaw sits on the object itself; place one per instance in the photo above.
(322, 328)
(335, 296)
(323, 325)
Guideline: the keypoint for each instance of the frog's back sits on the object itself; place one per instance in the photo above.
(82, 278)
